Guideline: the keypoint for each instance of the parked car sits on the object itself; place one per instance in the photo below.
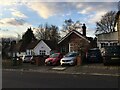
(111, 54)
(27, 59)
(94, 55)
(70, 58)
(54, 59)
(40, 57)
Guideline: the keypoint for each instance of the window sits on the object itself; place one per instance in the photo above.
(29, 52)
(104, 44)
(63, 49)
(71, 47)
(113, 44)
(42, 52)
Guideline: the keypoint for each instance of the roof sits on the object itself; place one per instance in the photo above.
(106, 33)
(77, 33)
(50, 44)
(108, 36)
(17, 46)
(32, 44)
(21, 48)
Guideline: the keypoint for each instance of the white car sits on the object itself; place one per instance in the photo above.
(27, 58)
(69, 58)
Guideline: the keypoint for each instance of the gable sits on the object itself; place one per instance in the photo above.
(76, 33)
(41, 45)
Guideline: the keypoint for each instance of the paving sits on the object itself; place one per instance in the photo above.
(91, 69)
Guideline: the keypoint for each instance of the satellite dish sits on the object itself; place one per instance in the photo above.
(119, 5)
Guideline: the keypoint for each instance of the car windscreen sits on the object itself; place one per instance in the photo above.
(54, 55)
(95, 52)
(71, 55)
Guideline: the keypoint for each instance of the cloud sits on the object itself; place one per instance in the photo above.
(96, 17)
(90, 32)
(17, 13)
(93, 11)
(11, 31)
(90, 12)
(86, 10)
(12, 22)
(7, 2)
(46, 10)
(88, 7)
(1, 14)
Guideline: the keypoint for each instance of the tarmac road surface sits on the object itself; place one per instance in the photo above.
(23, 79)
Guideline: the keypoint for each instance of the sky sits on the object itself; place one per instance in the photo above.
(18, 15)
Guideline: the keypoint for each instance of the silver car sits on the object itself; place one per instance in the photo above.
(69, 58)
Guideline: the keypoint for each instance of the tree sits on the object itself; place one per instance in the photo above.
(27, 37)
(6, 44)
(54, 34)
(48, 32)
(70, 25)
(106, 24)
(43, 31)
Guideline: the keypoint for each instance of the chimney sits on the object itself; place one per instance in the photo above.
(84, 30)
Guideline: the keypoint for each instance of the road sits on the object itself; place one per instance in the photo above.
(20, 79)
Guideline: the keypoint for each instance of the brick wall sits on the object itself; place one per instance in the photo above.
(76, 43)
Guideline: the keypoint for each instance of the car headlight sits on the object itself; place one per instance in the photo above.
(46, 60)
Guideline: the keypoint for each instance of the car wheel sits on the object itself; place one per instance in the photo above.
(58, 63)
(61, 64)
(45, 64)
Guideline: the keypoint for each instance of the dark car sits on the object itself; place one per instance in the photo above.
(54, 59)
(111, 54)
(94, 55)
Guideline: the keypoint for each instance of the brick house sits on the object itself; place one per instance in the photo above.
(73, 41)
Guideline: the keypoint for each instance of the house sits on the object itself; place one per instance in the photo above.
(36, 47)
(73, 41)
(112, 38)
(18, 49)
(107, 39)
(42, 47)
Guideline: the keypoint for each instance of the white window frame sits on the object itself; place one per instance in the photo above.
(42, 52)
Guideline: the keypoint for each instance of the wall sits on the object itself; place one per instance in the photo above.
(41, 46)
(77, 43)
